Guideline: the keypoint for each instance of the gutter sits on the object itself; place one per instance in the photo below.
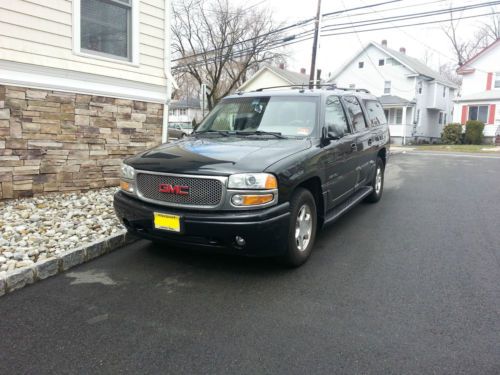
(167, 18)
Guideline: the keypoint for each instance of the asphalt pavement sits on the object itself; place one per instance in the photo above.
(410, 285)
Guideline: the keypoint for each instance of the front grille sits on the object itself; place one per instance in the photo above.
(202, 191)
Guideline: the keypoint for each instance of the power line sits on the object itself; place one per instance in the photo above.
(283, 42)
(295, 25)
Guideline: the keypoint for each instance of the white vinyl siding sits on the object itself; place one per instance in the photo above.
(39, 32)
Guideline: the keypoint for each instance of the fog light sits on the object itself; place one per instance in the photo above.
(240, 241)
(237, 200)
(251, 200)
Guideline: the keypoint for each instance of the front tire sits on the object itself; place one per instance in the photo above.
(377, 183)
(302, 228)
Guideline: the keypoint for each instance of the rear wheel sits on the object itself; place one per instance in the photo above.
(302, 228)
(377, 183)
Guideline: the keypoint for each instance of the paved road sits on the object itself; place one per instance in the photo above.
(410, 285)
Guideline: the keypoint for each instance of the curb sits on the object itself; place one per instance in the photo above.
(49, 267)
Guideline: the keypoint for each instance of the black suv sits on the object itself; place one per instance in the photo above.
(261, 174)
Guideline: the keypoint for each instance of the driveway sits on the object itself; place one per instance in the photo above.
(410, 285)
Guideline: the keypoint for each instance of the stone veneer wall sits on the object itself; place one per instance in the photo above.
(56, 141)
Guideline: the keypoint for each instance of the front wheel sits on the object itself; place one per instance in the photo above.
(377, 183)
(302, 230)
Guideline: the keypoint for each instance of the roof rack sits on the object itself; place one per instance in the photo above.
(328, 86)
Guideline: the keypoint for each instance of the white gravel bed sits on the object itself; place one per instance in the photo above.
(34, 229)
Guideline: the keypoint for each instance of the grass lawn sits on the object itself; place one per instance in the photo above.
(456, 148)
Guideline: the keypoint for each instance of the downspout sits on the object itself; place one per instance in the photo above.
(167, 67)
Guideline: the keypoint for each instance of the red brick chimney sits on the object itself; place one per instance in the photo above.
(303, 71)
(402, 50)
(384, 43)
(281, 66)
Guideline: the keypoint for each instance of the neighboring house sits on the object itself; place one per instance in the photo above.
(82, 85)
(480, 92)
(270, 76)
(186, 110)
(417, 100)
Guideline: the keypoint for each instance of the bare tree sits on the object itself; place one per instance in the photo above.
(491, 29)
(448, 71)
(218, 44)
(485, 35)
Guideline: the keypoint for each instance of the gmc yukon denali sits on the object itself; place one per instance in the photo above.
(261, 174)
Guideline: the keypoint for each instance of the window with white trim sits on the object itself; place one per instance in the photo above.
(497, 80)
(478, 112)
(106, 28)
(387, 87)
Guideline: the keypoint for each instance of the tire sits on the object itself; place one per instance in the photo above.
(377, 183)
(300, 240)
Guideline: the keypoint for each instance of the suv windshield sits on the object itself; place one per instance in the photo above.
(291, 116)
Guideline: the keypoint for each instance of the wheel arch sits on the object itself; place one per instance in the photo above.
(313, 184)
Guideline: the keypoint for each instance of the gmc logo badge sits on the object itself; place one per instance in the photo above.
(174, 189)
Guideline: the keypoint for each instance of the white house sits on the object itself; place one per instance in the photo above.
(270, 76)
(479, 98)
(185, 110)
(417, 100)
(83, 84)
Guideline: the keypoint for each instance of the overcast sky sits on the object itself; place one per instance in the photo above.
(335, 50)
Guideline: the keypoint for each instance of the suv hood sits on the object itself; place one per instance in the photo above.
(217, 156)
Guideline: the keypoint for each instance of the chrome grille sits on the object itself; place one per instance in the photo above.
(202, 191)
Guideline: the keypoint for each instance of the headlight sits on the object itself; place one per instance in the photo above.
(127, 172)
(252, 181)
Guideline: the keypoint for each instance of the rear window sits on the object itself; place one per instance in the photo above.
(375, 112)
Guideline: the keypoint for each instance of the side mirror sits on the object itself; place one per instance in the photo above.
(335, 132)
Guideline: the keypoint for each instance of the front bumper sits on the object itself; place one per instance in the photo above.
(265, 231)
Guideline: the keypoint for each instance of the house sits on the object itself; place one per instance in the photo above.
(479, 98)
(83, 84)
(270, 76)
(417, 100)
(184, 111)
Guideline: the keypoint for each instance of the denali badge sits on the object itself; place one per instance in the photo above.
(174, 189)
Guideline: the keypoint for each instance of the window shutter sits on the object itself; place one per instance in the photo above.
(489, 81)
(491, 117)
(464, 114)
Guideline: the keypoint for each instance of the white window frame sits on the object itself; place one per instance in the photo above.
(134, 36)
(496, 80)
(387, 87)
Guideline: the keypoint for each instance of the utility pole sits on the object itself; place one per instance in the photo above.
(312, 74)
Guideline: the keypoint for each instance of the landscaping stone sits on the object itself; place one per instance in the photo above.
(18, 279)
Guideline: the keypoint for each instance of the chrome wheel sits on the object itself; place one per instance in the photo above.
(303, 227)
(378, 180)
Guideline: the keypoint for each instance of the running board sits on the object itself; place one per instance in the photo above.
(345, 206)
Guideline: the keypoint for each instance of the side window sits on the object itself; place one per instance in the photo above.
(335, 116)
(376, 115)
(355, 113)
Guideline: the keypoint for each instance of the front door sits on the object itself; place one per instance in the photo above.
(339, 155)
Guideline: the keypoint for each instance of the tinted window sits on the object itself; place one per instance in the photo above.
(355, 113)
(375, 113)
(334, 115)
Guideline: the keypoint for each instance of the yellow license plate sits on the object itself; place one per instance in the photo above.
(171, 223)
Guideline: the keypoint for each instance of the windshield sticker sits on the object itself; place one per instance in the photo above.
(303, 131)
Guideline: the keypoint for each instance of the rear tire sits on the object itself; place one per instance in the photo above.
(377, 183)
(302, 229)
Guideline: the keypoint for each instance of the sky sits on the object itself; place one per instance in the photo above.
(427, 42)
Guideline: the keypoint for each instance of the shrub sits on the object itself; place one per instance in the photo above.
(474, 132)
(452, 134)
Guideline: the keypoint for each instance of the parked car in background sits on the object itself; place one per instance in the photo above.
(179, 130)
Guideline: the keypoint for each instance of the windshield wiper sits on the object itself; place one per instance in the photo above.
(220, 132)
(261, 132)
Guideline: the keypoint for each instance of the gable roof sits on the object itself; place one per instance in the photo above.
(466, 68)
(411, 63)
(186, 103)
(293, 78)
